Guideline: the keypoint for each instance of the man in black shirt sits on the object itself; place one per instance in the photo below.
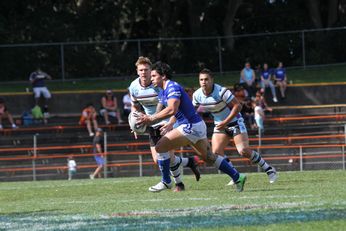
(98, 144)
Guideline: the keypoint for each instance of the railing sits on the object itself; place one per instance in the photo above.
(303, 155)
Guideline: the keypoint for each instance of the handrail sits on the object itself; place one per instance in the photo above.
(148, 152)
(200, 162)
(89, 146)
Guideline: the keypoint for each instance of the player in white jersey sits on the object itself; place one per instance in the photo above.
(225, 109)
(144, 95)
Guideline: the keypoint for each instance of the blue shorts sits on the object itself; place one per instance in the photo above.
(99, 160)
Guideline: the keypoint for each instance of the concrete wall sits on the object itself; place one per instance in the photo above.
(73, 102)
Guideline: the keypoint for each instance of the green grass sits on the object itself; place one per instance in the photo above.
(312, 75)
(313, 200)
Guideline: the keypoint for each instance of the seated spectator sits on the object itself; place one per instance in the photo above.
(110, 107)
(127, 104)
(247, 79)
(266, 76)
(240, 93)
(281, 79)
(38, 86)
(247, 112)
(89, 116)
(4, 113)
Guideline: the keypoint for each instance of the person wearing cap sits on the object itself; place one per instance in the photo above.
(110, 107)
(98, 145)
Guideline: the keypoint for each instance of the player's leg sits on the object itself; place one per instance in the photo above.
(88, 125)
(168, 142)
(242, 144)
(219, 142)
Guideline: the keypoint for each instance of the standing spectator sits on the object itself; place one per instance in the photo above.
(260, 98)
(98, 144)
(4, 113)
(281, 79)
(72, 167)
(259, 115)
(247, 78)
(127, 104)
(89, 116)
(38, 86)
(110, 107)
(266, 76)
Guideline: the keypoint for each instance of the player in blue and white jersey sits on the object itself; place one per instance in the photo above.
(144, 95)
(225, 109)
(190, 132)
(281, 79)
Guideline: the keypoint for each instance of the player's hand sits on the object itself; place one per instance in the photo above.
(221, 126)
(166, 128)
(145, 119)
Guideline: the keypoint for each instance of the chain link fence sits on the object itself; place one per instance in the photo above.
(76, 60)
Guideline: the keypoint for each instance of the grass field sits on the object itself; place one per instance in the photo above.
(313, 200)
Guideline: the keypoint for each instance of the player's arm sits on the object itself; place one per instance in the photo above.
(170, 110)
(235, 107)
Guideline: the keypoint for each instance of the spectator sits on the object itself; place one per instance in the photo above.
(281, 79)
(110, 107)
(247, 79)
(72, 167)
(260, 98)
(266, 76)
(247, 112)
(89, 116)
(240, 93)
(259, 115)
(39, 88)
(98, 144)
(4, 113)
(127, 104)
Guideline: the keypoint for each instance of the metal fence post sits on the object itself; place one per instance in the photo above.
(220, 55)
(301, 158)
(343, 157)
(62, 61)
(259, 146)
(140, 165)
(34, 158)
(303, 49)
(105, 143)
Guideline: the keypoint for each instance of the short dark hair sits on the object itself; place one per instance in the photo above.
(206, 71)
(163, 69)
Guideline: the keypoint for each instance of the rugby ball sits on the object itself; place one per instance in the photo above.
(133, 119)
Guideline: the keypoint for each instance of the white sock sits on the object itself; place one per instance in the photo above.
(175, 169)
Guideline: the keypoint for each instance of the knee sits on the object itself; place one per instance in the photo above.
(245, 152)
(210, 158)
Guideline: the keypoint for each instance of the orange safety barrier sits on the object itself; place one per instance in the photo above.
(282, 119)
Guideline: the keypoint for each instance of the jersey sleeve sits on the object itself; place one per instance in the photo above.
(226, 95)
(195, 102)
(173, 92)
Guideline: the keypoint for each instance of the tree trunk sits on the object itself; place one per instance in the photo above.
(228, 22)
(332, 12)
(314, 11)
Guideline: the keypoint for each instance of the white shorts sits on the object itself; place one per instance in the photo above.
(194, 132)
(38, 91)
(110, 113)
